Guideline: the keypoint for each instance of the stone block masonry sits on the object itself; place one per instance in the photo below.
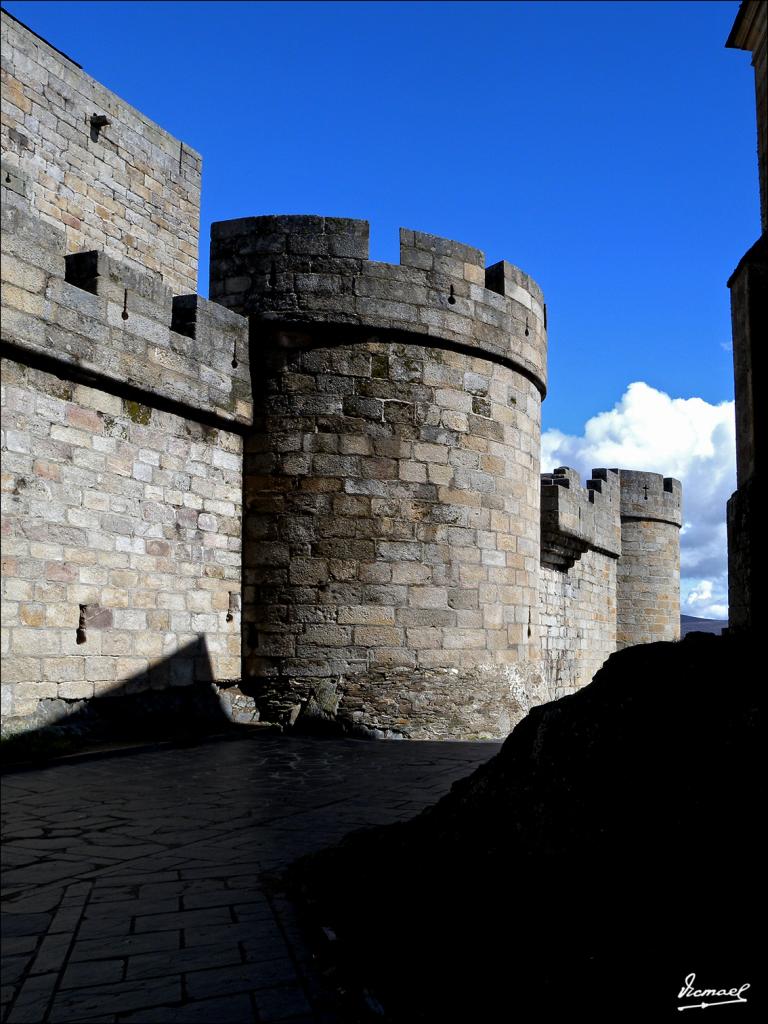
(610, 569)
(392, 491)
(121, 547)
(371, 499)
(580, 551)
(749, 317)
(98, 316)
(123, 408)
(86, 160)
(648, 581)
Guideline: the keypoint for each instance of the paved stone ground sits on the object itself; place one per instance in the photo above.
(131, 883)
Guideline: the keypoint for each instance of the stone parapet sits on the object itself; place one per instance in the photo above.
(575, 518)
(650, 496)
(628, 590)
(101, 316)
(316, 270)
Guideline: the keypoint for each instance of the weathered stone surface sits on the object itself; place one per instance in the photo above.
(129, 189)
(122, 326)
(749, 314)
(359, 528)
(103, 583)
(610, 572)
(399, 578)
(648, 580)
(279, 268)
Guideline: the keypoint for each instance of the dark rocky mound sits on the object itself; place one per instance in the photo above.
(608, 851)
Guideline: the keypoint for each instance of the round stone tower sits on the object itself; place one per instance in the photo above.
(391, 508)
(648, 571)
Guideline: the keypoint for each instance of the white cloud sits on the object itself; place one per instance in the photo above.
(685, 438)
(704, 595)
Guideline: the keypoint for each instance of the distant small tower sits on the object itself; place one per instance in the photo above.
(648, 573)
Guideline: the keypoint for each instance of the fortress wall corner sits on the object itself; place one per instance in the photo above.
(121, 477)
(123, 407)
(85, 159)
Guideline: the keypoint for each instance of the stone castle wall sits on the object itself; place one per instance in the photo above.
(121, 529)
(391, 502)
(749, 314)
(580, 549)
(128, 189)
(123, 408)
(648, 580)
(405, 570)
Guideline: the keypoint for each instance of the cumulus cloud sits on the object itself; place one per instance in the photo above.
(685, 438)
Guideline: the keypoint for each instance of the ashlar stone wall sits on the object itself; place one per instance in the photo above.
(123, 409)
(391, 538)
(392, 487)
(578, 622)
(121, 547)
(405, 572)
(648, 581)
(580, 551)
(125, 188)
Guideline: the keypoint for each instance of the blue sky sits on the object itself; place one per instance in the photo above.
(606, 148)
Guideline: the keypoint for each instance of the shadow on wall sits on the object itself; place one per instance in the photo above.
(176, 699)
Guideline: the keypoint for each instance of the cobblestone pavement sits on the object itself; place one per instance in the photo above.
(132, 888)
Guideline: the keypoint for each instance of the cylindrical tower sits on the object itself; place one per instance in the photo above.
(648, 572)
(391, 536)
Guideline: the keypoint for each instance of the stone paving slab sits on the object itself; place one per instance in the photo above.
(131, 885)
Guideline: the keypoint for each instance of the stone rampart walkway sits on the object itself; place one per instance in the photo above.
(131, 884)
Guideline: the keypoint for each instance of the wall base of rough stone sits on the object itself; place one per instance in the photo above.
(238, 706)
(483, 703)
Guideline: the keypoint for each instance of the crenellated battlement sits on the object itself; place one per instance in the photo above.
(105, 317)
(316, 270)
(651, 496)
(576, 518)
(376, 510)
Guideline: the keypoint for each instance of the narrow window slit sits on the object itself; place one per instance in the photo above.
(80, 637)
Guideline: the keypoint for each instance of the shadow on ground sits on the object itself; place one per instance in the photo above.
(607, 852)
(176, 699)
